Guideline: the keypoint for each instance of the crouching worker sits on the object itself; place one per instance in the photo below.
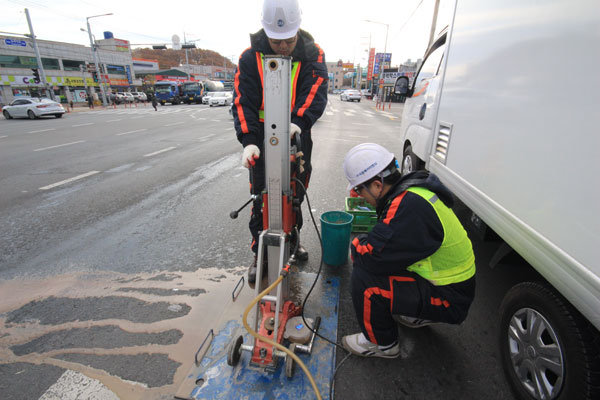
(416, 267)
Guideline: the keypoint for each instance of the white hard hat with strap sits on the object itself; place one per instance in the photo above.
(365, 161)
(281, 18)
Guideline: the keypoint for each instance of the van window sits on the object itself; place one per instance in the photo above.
(430, 68)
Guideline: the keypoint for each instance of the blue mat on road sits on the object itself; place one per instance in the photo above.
(217, 380)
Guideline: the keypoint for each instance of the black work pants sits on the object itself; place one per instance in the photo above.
(377, 297)
(257, 185)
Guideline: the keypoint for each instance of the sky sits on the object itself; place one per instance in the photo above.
(339, 27)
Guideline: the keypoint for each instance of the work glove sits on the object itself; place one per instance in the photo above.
(294, 129)
(251, 153)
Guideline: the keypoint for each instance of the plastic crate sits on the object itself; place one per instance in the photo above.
(364, 220)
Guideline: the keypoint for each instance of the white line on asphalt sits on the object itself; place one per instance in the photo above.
(215, 120)
(141, 116)
(60, 145)
(72, 385)
(175, 123)
(202, 119)
(160, 151)
(328, 113)
(207, 136)
(113, 120)
(43, 130)
(359, 124)
(70, 180)
(230, 129)
(125, 133)
(2, 137)
(348, 114)
(75, 126)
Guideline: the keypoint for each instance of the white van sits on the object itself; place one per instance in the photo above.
(505, 110)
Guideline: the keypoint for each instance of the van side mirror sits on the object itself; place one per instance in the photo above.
(401, 87)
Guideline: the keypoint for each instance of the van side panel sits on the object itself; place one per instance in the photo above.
(520, 94)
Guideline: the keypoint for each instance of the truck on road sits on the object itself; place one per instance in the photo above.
(168, 92)
(500, 112)
(193, 92)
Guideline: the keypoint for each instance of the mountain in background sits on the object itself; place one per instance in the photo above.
(173, 58)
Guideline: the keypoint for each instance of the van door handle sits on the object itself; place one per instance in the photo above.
(422, 112)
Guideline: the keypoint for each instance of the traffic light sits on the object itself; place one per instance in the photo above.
(159, 47)
(95, 76)
(188, 46)
(36, 75)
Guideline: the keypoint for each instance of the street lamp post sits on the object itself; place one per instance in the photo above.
(387, 28)
(95, 52)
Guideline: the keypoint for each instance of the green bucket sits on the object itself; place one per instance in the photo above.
(335, 231)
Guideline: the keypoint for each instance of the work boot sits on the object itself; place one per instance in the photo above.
(252, 271)
(358, 344)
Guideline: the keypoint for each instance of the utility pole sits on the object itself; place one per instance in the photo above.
(38, 57)
(187, 62)
(95, 53)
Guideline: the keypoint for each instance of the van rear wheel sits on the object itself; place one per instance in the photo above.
(410, 162)
(548, 350)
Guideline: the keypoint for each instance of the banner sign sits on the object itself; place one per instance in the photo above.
(371, 63)
(380, 60)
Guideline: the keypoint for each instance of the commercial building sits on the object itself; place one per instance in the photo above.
(69, 69)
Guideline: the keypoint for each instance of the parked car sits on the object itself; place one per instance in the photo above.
(128, 97)
(207, 96)
(139, 96)
(117, 98)
(350, 95)
(32, 108)
(220, 99)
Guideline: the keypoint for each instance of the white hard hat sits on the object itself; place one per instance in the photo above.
(281, 18)
(365, 161)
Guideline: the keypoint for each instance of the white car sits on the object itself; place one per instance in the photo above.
(127, 97)
(220, 99)
(139, 96)
(32, 108)
(207, 97)
(350, 95)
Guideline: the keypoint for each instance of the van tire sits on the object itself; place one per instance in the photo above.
(558, 326)
(410, 162)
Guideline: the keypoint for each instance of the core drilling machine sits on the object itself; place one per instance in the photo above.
(273, 310)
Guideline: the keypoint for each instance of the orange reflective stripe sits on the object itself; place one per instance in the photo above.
(435, 301)
(362, 249)
(367, 309)
(311, 96)
(238, 106)
(320, 58)
(393, 208)
(259, 65)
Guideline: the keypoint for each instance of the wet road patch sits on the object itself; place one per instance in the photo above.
(105, 337)
(152, 370)
(60, 310)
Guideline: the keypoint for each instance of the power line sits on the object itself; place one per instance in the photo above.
(408, 19)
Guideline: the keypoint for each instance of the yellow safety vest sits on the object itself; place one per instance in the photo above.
(293, 82)
(454, 261)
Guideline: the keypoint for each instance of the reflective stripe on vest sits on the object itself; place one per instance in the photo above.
(454, 261)
(293, 83)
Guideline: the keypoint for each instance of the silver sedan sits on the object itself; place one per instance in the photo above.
(32, 108)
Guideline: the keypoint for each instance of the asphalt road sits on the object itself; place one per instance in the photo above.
(118, 255)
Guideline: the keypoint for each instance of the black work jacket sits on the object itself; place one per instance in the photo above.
(408, 228)
(311, 87)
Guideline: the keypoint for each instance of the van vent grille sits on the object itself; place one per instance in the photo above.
(443, 141)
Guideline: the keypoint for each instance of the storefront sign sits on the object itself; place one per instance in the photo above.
(79, 96)
(121, 45)
(118, 82)
(371, 63)
(128, 71)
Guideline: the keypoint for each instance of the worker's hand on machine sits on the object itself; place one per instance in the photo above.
(251, 153)
(294, 129)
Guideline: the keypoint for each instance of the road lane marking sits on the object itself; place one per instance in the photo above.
(125, 133)
(175, 123)
(43, 130)
(141, 116)
(2, 137)
(328, 113)
(359, 124)
(75, 126)
(73, 385)
(75, 178)
(215, 120)
(160, 151)
(113, 120)
(59, 145)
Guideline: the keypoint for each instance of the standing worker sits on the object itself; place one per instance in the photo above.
(416, 266)
(281, 34)
(90, 100)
